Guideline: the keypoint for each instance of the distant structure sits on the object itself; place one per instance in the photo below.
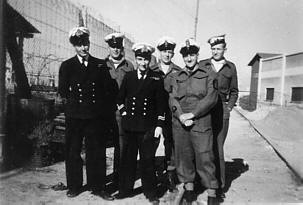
(44, 51)
(276, 79)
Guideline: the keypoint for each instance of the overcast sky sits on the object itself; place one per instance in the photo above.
(251, 26)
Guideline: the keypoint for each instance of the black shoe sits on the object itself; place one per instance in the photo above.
(122, 195)
(72, 193)
(220, 194)
(212, 201)
(171, 184)
(189, 196)
(154, 200)
(103, 194)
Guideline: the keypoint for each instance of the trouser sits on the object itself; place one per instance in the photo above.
(95, 144)
(117, 132)
(169, 147)
(220, 124)
(219, 140)
(147, 146)
(193, 152)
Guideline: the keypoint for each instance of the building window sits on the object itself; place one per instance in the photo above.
(297, 94)
(270, 94)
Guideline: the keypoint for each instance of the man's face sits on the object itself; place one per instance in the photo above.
(218, 51)
(82, 49)
(166, 56)
(115, 52)
(190, 60)
(142, 62)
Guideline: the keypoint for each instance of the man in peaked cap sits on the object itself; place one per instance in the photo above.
(118, 66)
(167, 68)
(191, 100)
(84, 86)
(141, 103)
(226, 75)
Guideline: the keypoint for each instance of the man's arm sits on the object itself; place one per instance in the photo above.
(121, 96)
(63, 83)
(160, 103)
(174, 104)
(234, 91)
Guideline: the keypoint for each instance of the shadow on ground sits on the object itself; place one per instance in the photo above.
(233, 170)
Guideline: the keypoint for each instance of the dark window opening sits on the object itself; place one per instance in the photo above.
(297, 94)
(270, 94)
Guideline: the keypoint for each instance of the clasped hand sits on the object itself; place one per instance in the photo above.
(187, 119)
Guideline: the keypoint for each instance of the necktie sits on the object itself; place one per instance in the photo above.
(83, 63)
(142, 73)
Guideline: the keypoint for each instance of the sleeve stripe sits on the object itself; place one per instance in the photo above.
(120, 106)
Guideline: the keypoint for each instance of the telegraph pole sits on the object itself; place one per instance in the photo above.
(196, 18)
(2, 77)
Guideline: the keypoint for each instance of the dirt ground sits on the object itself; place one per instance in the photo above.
(266, 180)
(282, 128)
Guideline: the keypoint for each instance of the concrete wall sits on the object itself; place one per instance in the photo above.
(293, 74)
(273, 76)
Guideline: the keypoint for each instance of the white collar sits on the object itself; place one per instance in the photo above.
(139, 74)
(81, 59)
(218, 64)
(164, 68)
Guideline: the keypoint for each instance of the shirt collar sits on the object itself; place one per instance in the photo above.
(139, 74)
(81, 59)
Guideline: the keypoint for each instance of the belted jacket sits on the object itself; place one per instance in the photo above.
(227, 81)
(141, 102)
(194, 92)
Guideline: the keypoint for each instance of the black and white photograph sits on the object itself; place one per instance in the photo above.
(163, 102)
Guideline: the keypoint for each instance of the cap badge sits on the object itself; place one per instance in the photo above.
(187, 43)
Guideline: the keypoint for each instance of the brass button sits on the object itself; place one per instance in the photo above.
(144, 113)
(133, 108)
(80, 101)
(133, 113)
(134, 98)
(94, 101)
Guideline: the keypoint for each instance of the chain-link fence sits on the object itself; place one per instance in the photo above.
(43, 52)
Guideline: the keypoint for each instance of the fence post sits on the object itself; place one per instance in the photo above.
(2, 78)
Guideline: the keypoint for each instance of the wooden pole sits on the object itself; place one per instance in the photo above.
(2, 77)
(196, 19)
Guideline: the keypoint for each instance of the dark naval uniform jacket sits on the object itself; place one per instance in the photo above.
(143, 101)
(85, 88)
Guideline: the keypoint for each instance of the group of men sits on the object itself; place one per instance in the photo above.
(138, 105)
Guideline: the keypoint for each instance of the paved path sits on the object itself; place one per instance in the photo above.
(267, 180)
